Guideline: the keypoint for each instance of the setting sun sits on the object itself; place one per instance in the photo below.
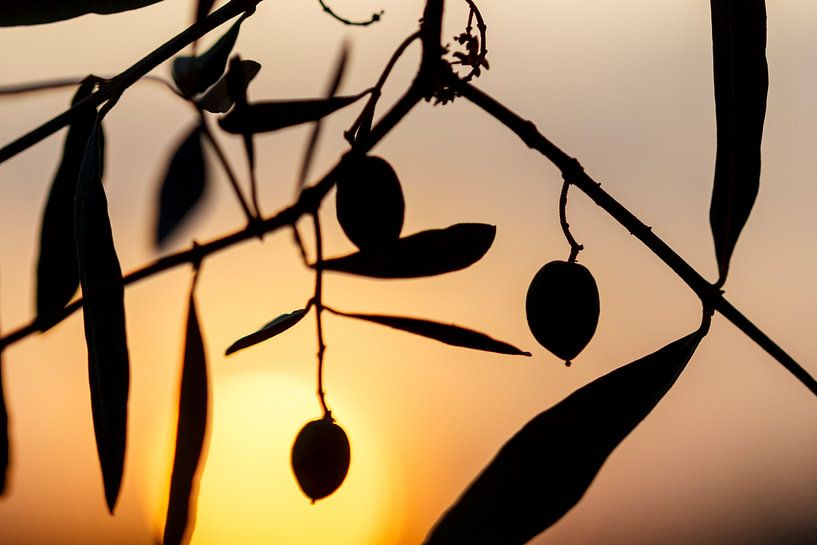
(416, 301)
(248, 493)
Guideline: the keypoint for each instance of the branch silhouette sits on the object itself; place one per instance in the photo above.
(114, 87)
(435, 80)
(431, 71)
(572, 171)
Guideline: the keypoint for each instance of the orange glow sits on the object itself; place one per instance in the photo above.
(248, 493)
(626, 87)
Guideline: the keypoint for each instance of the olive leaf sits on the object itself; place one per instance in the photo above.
(191, 433)
(104, 315)
(218, 98)
(445, 333)
(35, 12)
(273, 328)
(193, 75)
(275, 115)
(545, 469)
(4, 433)
(203, 8)
(426, 253)
(314, 135)
(57, 268)
(183, 185)
(741, 84)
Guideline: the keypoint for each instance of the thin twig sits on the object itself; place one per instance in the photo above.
(49, 85)
(575, 247)
(360, 127)
(249, 152)
(299, 243)
(317, 299)
(573, 172)
(373, 19)
(117, 85)
(315, 133)
(222, 159)
(308, 201)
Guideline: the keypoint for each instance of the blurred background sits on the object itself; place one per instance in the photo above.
(626, 87)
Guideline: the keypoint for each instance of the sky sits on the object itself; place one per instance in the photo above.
(626, 87)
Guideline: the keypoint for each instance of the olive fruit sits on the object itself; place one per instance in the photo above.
(369, 201)
(320, 457)
(562, 307)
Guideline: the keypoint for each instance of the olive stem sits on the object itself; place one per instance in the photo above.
(367, 113)
(222, 159)
(373, 19)
(317, 299)
(249, 148)
(709, 294)
(575, 247)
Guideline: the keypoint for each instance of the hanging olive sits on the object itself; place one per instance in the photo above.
(320, 457)
(369, 201)
(562, 307)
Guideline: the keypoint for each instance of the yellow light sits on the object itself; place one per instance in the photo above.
(248, 494)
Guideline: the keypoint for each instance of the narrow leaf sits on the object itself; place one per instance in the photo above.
(275, 115)
(273, 328)
(35, 12)
(4, 432)
(545, 469)
(104, 314)
(445, 333)
(203, 8)
(314, 135)
(426, 253)
(218, 98)
(191, 432)
(741, 85)
(57, 268)
(183, 185)
(193, 75)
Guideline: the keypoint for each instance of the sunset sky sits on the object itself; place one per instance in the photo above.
(728, 457)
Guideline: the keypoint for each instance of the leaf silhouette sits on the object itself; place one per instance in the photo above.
(35, 12)
(273, 328)
(275, 115)
(741, 84)
(193, 75)
(57, 268)
(314, 135)
(445, 333)
(4, 433)
(104, 314)
(545, 469)
(426, 253)
(218, 98)
(183, 185)
(191, 432)
(203, 8)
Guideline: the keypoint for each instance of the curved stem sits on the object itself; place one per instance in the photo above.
(361, 126)
(373, 19)
(575, 247)
(572, 171)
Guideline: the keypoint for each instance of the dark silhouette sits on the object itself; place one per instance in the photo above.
(543, 470)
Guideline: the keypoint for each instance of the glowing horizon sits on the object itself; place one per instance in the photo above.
(727, 456)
